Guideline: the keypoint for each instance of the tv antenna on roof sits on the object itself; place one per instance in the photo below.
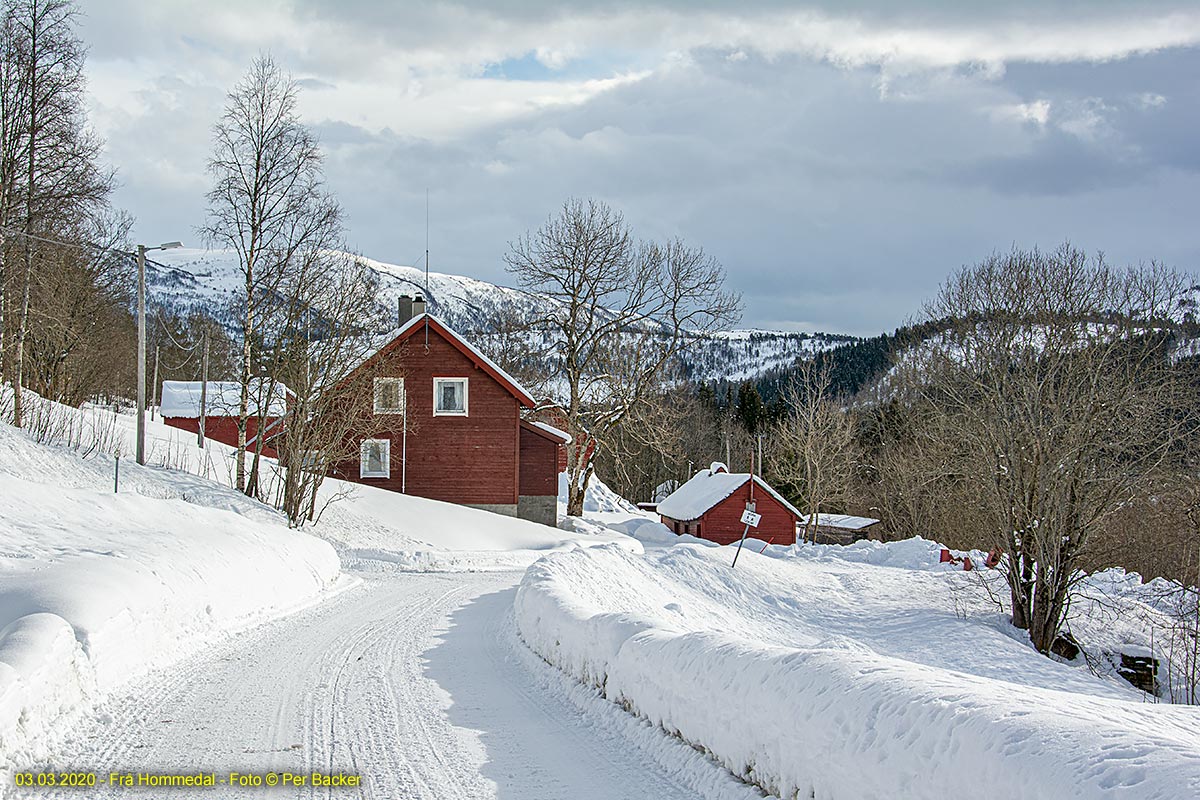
(428, 298)
(427, 243)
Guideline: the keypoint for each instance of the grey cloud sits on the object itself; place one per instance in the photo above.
(831, 199)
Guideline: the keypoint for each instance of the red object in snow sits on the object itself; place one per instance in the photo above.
(946, 556)
(967, 565)
(993, 559)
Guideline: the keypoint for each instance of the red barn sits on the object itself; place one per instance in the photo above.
(710, 506)
(457, 434)
(180, 408)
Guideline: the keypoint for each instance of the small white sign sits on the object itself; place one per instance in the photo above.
(750, 518)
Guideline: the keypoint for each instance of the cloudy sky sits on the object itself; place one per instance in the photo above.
(839, 158)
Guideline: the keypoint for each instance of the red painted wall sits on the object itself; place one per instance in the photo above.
(539, 464)
(722, 523)
(471, 459)
(222, 429)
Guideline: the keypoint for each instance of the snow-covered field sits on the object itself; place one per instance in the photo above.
(98, 587)
(825, 672)
(863, 672)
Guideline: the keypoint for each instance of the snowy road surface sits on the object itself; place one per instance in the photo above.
(413, 681)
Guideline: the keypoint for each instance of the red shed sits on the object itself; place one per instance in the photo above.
(710, 506)
(180, 408)
(458, 434)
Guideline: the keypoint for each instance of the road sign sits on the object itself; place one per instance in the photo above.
(750, 518)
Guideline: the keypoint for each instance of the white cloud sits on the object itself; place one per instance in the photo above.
(1037, 112)
(1152, 100)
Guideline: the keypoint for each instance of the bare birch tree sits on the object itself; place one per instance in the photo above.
(1055, 383)
(13, 103)
(623, 310)
(62, 179)
(814, 444)
(269, 205)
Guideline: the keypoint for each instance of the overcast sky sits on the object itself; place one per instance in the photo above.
(839, 158)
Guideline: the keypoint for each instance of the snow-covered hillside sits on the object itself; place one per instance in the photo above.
(868, 672)
(97, 586)
(188, 279)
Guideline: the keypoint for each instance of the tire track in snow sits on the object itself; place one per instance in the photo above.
(362, 684)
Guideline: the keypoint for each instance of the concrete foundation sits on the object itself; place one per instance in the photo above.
(539, 508)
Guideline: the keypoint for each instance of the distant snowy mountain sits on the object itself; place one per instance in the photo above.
(188, 279)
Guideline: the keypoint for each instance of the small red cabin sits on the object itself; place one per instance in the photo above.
(181, 400)
(453, 428)
(710, 506)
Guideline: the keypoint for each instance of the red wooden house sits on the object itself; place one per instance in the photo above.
(181, 400)
(553, 415)
(457, 434)
(710, 506)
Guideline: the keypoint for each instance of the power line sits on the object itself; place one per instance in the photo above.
(61, 243)
(162, 324)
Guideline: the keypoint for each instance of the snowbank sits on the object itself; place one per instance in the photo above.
(819, 677)
(374, 528)
(97, 587)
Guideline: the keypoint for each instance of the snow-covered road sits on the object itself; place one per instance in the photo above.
(413, 681)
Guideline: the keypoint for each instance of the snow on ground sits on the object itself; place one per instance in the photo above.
(863, 672)
(97, 586)
(376, 529)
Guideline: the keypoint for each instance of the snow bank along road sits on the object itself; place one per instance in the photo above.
(416, 682)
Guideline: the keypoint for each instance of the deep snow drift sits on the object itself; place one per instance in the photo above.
(97, 587)
(375, 528)
(862, 672)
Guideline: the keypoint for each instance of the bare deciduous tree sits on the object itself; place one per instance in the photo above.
(815, 450)
(269, 205)
(623, 311)
(1055, 383)
(61, 181)
(335, 303)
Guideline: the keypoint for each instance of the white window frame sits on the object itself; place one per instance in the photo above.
(311, 461)
(403, 400)
(386, 472)
(466, 394)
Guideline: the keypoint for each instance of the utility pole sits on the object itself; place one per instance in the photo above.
(141, 354)
(141, 361)
(154, 386)
(203, 391)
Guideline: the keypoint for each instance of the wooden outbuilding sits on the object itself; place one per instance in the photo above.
(840, 528)
(710, 506)
(458, 433)
(180, 407)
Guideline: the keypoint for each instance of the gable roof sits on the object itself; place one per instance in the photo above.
(707, 489)
(843, 521)
(419, 323)
(546, 431)
(181, 399)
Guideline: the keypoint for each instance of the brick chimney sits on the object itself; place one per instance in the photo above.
(418, 306)
(404, 309)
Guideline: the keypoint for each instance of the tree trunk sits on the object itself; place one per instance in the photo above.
(244, 395)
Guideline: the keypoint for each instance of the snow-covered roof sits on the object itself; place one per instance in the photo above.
(182, 398)
(473, 352)
(562, 436)
(707, 488)
(843, 521)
